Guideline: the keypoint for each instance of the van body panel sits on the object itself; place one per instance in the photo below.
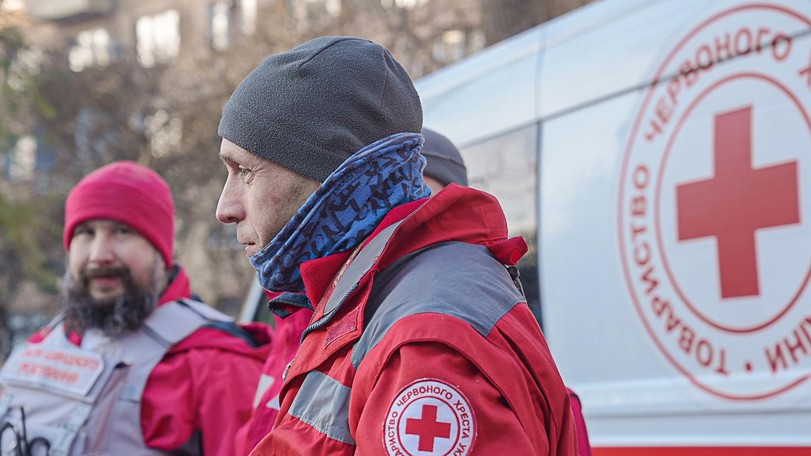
(657, 156)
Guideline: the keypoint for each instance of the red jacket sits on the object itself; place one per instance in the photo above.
(438, 379)
(186, 392)
(286, 341)
(583, 443)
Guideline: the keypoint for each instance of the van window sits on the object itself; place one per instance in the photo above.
(506, 166)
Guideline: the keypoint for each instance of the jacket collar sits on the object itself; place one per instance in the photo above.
(456, 213)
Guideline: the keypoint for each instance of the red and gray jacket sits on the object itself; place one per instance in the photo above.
(87, 400)
(423, 344)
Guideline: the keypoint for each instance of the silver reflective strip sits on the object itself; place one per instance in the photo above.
(348, 282)
(323, 403)
(363, 263)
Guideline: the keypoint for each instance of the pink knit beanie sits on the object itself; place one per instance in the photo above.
(128, 193)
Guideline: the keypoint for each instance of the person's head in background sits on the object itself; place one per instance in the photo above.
(444, 162)
(119, 235)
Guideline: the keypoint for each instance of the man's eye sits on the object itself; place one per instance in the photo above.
(244, 172)
(82, 231)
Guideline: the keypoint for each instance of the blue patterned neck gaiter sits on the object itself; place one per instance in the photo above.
(345, 209)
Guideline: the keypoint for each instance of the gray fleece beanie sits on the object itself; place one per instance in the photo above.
(445, 163)
(312, 107)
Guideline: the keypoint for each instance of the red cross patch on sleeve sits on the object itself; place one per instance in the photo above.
(429, 417)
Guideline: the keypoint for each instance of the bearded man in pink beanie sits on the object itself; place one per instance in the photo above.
(133, 364)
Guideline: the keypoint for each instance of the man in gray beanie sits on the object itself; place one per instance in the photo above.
(420, 340)
(324, 100)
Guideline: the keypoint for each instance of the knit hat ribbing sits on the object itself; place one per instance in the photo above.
(444, 162)
(310, 108)
(128, 193)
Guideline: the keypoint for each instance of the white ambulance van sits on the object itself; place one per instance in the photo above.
(656, 154)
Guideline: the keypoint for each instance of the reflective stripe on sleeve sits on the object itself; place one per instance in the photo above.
(323, 403)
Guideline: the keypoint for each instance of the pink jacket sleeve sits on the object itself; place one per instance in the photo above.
(203, 388)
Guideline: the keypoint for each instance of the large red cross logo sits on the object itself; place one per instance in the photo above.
(736, 202)
(428, 428)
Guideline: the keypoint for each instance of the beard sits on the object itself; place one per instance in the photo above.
(113, 316)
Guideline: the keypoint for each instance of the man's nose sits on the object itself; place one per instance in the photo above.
(230, 208)
(102, 249)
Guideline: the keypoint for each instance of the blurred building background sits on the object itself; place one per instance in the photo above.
(87, 82)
